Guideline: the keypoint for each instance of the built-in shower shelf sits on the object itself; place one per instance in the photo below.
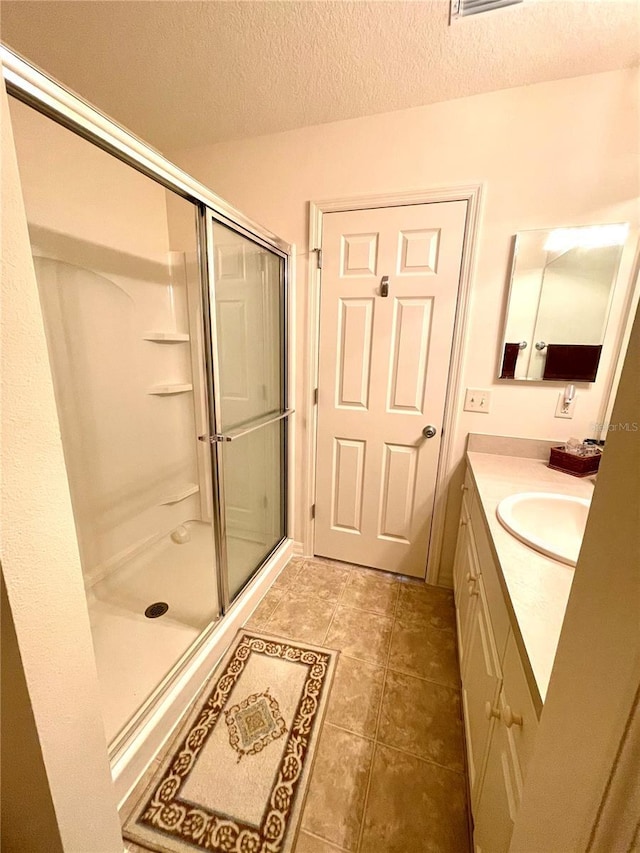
(166, 390)
(166, 337)
(181, 494)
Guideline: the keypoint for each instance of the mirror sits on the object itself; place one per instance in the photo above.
(562, 283)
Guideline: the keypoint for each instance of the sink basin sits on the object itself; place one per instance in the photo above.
(549, 523)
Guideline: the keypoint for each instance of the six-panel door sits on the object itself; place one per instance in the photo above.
(383, 370)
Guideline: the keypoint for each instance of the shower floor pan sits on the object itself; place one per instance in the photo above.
(133, 652)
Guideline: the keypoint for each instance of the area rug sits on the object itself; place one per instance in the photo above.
(236, 777)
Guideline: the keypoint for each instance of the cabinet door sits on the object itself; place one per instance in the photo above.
(509, 753)
(460, 557)
(495, 811)
(469, 573)
(481, 683)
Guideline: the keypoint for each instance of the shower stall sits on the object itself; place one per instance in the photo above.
(166, 317)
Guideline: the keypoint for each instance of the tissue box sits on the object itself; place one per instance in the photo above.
(571, 463)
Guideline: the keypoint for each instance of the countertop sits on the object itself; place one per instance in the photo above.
(536, 587)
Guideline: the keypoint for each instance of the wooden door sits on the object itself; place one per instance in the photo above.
(383, 370)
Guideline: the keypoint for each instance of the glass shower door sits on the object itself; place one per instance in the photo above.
(248, 311)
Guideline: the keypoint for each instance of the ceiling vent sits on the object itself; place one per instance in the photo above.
(462, 8)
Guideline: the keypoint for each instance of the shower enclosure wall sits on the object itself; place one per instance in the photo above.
(166, 324)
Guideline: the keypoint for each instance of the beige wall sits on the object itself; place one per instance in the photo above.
(552, 154)
(40, 561)
(27, 820)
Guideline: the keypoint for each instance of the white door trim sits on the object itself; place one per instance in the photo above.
(472, 194)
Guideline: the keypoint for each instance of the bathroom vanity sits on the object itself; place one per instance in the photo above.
(510, 605)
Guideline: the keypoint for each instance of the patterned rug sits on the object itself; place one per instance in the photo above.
(236, 778)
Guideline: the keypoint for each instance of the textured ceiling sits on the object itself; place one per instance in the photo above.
(185, 73)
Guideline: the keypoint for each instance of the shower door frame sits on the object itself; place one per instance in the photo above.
(135, 745)
(206, 242)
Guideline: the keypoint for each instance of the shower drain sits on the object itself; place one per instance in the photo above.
(158, 608)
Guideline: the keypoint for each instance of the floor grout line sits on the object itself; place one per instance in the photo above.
(270, 616)
(377, 742)
(377, 729)
(364, 610)
(416, 624)
(335, 609)
(349, 731)
(457, 689)
(362, 660)
(420, 758)
(322, 838)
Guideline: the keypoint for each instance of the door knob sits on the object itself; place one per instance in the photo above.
(490, 711)
(429, 431)
(511, 719)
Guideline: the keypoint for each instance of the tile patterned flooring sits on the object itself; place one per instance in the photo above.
(389, 774)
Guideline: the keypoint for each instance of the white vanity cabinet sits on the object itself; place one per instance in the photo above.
(481, 683)
(466, 573)
(499, 714)
(508, 754)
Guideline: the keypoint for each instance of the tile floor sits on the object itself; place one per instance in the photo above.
(389, 774)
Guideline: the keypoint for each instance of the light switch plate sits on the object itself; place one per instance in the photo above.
(477, 400)
(560, 406)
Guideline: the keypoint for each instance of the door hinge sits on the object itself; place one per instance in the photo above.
(313, 510)
(315, 396)
(319, 256)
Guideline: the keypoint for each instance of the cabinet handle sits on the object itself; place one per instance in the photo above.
(490, 711)
(472, 587)
(463, 522)
(509, 718)
(464, 488)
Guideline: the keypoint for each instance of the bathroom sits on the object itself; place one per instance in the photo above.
(510, 169)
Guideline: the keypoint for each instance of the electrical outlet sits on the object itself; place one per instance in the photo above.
(477, 400)
(562, 410)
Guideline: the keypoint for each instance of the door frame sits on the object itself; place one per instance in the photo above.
(472, 194)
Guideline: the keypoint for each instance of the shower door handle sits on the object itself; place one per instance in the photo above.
(238, 433)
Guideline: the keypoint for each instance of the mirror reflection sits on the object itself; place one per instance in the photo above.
(562, 283)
